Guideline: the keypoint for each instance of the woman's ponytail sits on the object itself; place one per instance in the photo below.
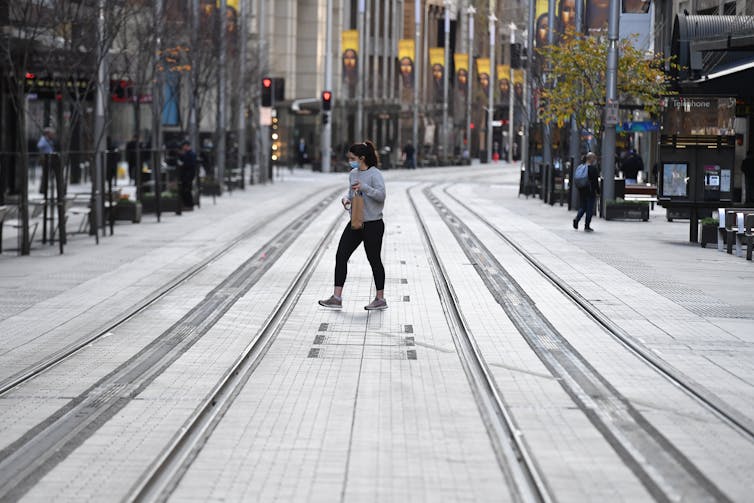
(368, 151)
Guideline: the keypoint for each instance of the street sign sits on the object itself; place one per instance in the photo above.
(611, 112)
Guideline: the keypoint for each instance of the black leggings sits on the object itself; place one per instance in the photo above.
(371, 234)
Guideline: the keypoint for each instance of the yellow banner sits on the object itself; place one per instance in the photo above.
(461, 61)
(349, 39)
(233, 4)
(483, 66)
(518, 76)
(541, 7)
(503, 72)
(406, 49)
(437, 56)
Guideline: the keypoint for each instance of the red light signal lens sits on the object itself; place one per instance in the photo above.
(327, 95)
(30, 75)
(267, 82)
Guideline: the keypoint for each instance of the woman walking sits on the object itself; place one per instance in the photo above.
(366, 180)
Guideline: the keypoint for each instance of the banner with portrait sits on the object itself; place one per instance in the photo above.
(483, 73)
(349, 42)
(461, 62)
(437, 63)
(406, 52)
(518, 84)
(504, 82)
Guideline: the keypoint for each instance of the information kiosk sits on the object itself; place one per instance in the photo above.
(697, 156)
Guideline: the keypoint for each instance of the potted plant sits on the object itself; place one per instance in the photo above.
(126, 209)
(620, 209)
(708, 231)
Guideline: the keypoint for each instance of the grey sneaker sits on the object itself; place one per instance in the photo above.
(331, 303)
(376, 305)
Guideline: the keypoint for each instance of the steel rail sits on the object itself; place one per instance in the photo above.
(53, 359)
(512, 453)
(695, 390)
(166, 472)
(39, 450)
(663, 469)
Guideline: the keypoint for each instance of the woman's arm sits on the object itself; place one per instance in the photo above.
(375, 190)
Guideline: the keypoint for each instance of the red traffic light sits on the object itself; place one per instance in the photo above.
(30, 75)
(326, 100)
(267, 82)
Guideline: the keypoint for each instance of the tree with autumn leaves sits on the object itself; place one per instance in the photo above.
(578, 66)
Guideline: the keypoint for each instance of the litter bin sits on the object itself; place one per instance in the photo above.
(385, 158)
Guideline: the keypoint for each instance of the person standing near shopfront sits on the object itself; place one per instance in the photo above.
(364, 179)
(747, 168)
(45, 146)
(187, 160)
(408, 156)
(631, 167)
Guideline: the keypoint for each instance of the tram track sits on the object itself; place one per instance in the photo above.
(735, 419)
(514, 458)
(666, 472)
(60, 355)
(167, 471)
(39, 450)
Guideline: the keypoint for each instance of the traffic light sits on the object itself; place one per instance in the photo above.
(515, 56)
(266, 92)
(326, 101)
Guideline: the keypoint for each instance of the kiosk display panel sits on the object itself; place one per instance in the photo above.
(675, 180)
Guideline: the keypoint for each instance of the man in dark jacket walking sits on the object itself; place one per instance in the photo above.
(588, 194)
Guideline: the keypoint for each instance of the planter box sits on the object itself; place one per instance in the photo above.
(627, 211)
(128, 212)
(707, 234)
(211, 190)
(149, 204)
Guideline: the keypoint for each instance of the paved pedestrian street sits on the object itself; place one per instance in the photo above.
(518, 359)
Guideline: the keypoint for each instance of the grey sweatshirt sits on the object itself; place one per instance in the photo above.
(373, 190)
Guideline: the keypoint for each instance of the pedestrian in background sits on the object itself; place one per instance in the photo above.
(631, 167)
(132, 157)
(587, 192)
(408, 156)
(747, 168)
(45, 146)
(187, 162)
(366, 180)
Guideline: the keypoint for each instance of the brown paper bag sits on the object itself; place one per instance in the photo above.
(357, 212)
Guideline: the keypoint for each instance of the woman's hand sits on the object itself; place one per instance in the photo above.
(346, 203)
(356, 186)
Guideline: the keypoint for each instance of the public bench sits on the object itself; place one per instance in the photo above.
(10, 218)
(748, 236)
(732, 229)
(647, 193)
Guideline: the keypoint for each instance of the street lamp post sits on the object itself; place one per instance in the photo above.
(575, 142)
(470, 11)
(221, 83)
(446, 67)
(611, 95)
(327, 126)
(360, 67)
(241, 124)
(511, 102)
(492, 80)
(417, 42)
